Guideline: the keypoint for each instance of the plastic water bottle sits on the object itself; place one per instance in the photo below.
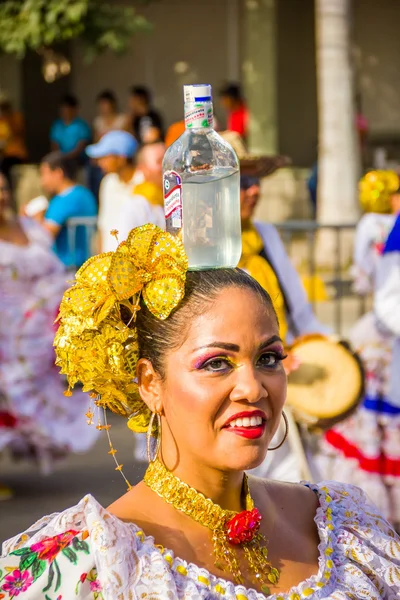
(202, 188)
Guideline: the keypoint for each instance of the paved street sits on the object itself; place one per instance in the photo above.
(81, 474)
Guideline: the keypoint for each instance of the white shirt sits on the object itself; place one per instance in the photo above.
(138, 211)
(101, 127)
(113, 194)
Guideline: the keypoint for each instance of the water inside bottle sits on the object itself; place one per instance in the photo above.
(211, 219)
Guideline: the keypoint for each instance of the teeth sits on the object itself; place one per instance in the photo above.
(246, 422)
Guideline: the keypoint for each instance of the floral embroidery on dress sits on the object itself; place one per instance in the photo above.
(359, 557)
(94, 584)
(34, 560)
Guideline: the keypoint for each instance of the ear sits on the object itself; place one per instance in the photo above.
(150, 385)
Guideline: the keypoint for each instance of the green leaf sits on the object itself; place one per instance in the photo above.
(71, 555)
(38, 568)
(80, 545)
(27, 561)
(50, 578)
(21, 552)
(57, 569)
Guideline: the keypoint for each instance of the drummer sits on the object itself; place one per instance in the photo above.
(265, 258)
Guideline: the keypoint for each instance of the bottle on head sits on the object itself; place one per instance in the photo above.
(202, 189)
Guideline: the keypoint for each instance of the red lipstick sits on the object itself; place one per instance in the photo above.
(248, 414)
(244, 428)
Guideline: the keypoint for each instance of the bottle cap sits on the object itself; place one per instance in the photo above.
(199, 92)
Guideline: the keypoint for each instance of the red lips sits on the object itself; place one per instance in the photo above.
(248, 414)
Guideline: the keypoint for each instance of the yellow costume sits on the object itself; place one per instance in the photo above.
(152, 192)
(259, 268)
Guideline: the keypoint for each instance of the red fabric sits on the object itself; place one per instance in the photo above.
(7, 420)
(237, 120)
(381, 465)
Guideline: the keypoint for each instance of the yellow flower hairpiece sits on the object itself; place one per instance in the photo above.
(94, 344)
(376, 188)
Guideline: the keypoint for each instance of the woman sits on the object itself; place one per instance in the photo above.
(36, 421)
(164, 539)
(365, 449)
(108, 117)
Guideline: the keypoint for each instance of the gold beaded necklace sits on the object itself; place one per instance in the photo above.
(229, 528)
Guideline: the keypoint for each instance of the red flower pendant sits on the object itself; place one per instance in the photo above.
(243, 527)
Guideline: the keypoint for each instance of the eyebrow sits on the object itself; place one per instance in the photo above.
(236, 348)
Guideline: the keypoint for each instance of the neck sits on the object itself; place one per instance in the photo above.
(126, 173)
(222, 487)
(65, 185)
(247, 224)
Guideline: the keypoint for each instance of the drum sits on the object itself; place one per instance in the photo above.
(328, 384)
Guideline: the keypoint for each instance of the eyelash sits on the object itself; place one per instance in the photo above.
(279, 357)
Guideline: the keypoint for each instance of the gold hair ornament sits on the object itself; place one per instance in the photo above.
(375, 190)
(96, 343)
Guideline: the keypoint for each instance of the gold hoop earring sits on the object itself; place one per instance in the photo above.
(149, 436)
(286, 432)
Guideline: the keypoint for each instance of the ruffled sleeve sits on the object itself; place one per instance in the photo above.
(41, 563)
(366, 548)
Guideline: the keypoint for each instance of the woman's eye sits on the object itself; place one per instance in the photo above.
(270, 359)
(216, 364)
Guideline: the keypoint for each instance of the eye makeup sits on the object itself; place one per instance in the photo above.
(201, 361)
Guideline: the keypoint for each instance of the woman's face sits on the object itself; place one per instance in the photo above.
(225, 387)
(105, 108)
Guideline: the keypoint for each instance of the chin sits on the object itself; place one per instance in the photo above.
(246, 458)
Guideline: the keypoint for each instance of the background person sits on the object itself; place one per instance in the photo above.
(70, 134)
(115, 154)
(37, 422)
(13, 149)
(234, 104)
(68, 200)
(146, 203)
(146, 122)
(108, 117)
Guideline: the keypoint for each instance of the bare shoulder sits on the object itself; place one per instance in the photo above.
(294, 503)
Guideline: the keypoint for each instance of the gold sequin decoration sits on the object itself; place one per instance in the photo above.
(93, 344)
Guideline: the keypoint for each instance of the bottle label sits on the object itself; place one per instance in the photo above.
(172, 185)
(199, 115)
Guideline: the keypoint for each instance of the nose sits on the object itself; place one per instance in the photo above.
(249, 386)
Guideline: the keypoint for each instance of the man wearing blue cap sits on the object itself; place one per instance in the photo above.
(115, 153)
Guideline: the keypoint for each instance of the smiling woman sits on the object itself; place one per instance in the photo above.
(210, 387)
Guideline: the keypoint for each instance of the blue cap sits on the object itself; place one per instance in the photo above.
(117, 143)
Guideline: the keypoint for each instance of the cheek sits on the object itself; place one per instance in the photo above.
(191, 401)
(276, 386)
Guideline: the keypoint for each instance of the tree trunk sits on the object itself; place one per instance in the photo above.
(338, 151)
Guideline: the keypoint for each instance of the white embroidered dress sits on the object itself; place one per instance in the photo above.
(36, 419)
(89, 554)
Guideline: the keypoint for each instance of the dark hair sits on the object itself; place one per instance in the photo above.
(232, 90)
(142, 92)
(247, 181)
(109, 96)
(69, 100)
(58, 160)
(156, 337)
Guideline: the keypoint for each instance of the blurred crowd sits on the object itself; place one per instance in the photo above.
(92, 169)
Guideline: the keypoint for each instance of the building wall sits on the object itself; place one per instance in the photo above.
(11, 78)
(296, 81)
(377, 55)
